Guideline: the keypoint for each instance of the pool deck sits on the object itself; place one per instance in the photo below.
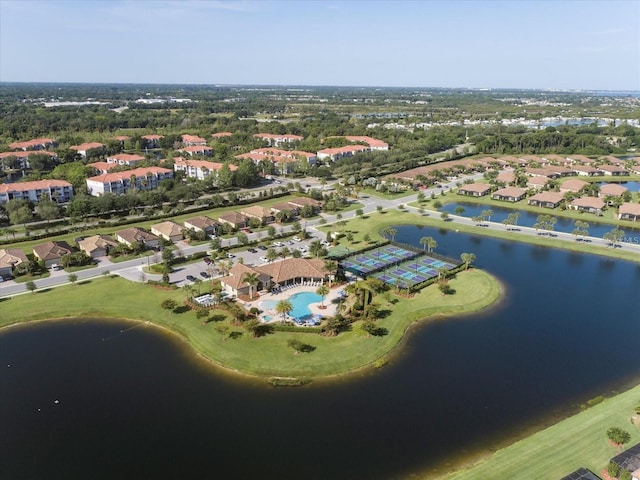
(329, 311)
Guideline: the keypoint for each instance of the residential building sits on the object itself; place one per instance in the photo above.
(51, 253)
(507, 177)
(97, 245)
(629, 460)
(510, 194)
(537, 182)
(373, 143)
(588, 204)
(222, 134)
(35, 144)
(585, 170)
(152, 141)
(475, 189)
(102, 167)
(235, 219)
(301, 202)
(169, 230)
(574, 185)
(134, 236)
(193, 140)
(10, 258)
(573, 159)
(199, 169)
(202, 224)
(582, 474)
(197, 150)
(144, 178)
(256, 211)
(90, 148)
(611, 189)
(612, 170)
(337, 153)
(546, 199)
(234, 283)
(125, 159)
(629, 211)
(20, 160)
(284, 161)
(59, 191)
(277, 140)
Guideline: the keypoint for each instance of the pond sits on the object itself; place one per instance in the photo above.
(136, 403)
(529, 219)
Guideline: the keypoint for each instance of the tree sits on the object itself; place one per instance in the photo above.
(317, 249)
(614, 237)
(20, 215)
(323, 291)
(252, 279)
(429, 243)
(242, 238)
(272, 254)
(169, 304)
(511, 220)
(31, 286)
(369, 326)
(468, 259)
(444, 216)
(72, 277)
(48, 210)
(618, 436)
(459, 210)
(545, 222)
(296, 344)
(283, 307)
(486, 214)
(581, 228)
(222, 329)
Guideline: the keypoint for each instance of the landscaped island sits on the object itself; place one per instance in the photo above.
(270, 355)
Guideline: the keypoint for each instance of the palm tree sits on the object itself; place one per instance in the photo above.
(283, 307)
(468, 259)
(252, 279)
(323, 291)
(330, 266)
(271, 255)
(316, 248)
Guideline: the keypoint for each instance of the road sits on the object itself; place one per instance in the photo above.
(134, 269)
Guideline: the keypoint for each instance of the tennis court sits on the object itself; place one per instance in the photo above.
(395, 265)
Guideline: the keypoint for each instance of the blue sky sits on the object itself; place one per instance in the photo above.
(479, 44)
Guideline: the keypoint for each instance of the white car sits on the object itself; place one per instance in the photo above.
(264, 259)
(302, 248)
(296, 239)
(277, 244)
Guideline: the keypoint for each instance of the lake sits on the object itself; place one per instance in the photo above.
(135, 403)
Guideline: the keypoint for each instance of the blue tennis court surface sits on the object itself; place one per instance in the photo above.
(396, 265)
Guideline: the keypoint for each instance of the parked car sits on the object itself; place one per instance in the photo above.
(205, 275)
(264, 259)
(207, 260)
(262, 247)
(277, 244)
(296, 238)
(191, 278)
(230, 255)
(302, 248)
(252, 250)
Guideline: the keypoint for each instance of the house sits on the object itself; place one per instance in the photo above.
(143, 178)
(581, 474)
(613, 160)
(97, 245)
(573, 159)
(546, 199)
(612, 170)
(135, 236)
(235, 219)
(20, 160)
(574, 185)
(285, 207)
(585, 170)
(51, 253)
(125, 159)
(193, 140)
(102, 167)
(541, 172)
(88, 149)
(199, 169)
(629, 211)
(374, 144)
(283, 160)
(513, 161)
(122, 138)
(301, 202)
(59, 191)
(277, 140)
(222, 134)
(475, 189)
(197, 150)
(35, 144)
(337, 153)
(234, 283)
(152, 141)
(588, 204)
(629, 460)
(256, 211)
(10, 258)
(202, 224)
(169, 230)
(556, 159)
(537, 182)
(611, 190)
(510, 194)
(506, 176)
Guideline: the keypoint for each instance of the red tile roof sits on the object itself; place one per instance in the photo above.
(628, 208)
(23, 154)
(182, 162)
(589, 202)
(87, 146)
(222, 134)
(36, 142)
(612, 189)
(271, 136)
(475, 188)
(35, 185)
(137, 172)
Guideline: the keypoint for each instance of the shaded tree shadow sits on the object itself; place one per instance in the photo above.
(215, 318)
(380, 332)
(84, 282)
(181, 309)
(384, 313)
(262, 330)
(235, 335)
(306, 348)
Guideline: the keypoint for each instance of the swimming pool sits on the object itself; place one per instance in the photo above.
(300, 302)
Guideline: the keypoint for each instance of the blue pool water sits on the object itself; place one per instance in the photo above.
(300, 302)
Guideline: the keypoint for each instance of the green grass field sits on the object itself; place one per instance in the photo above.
(113, 297)
(578, 441)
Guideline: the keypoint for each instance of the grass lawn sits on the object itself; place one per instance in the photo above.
(264, 356)
(578, 441)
